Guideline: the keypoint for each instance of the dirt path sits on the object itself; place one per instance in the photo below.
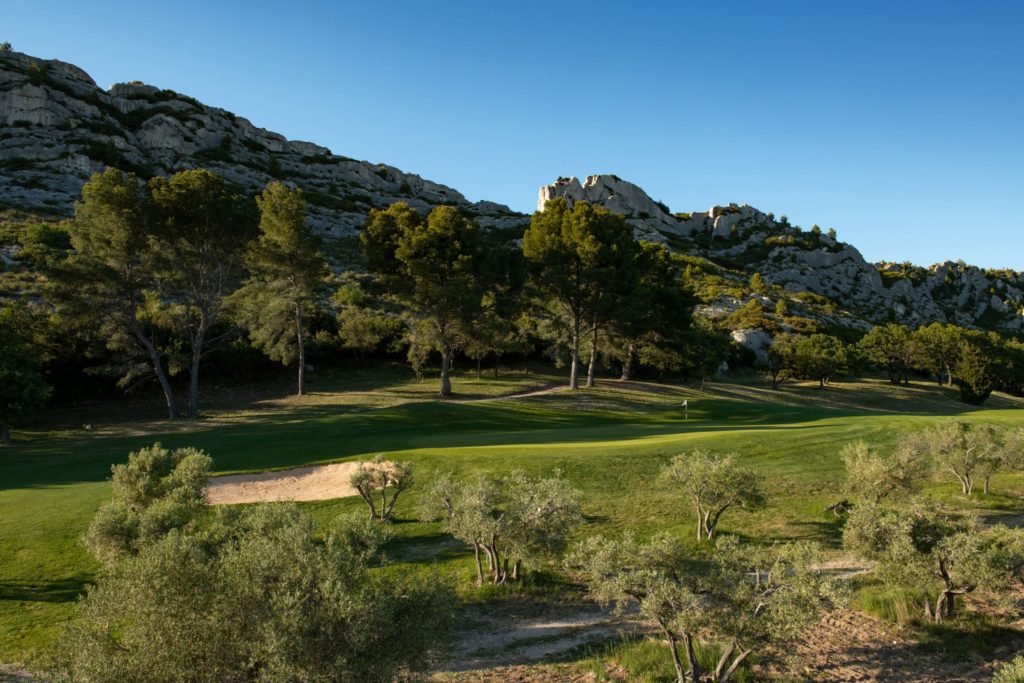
(319, 482)
(547, 389)
(529, 634)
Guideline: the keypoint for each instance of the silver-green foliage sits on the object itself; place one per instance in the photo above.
(925, 548)
(1011, 672)
(258, 596)
(513, 519)
(714, 483)
(872, 476)
(156, 491)
(384, 478)
(740, 597)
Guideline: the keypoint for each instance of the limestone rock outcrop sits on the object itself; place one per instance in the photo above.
(651, 219)
(752, 241)
(57, 128)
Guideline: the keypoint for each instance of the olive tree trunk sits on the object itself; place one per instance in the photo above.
(674, 649)
(479, 566)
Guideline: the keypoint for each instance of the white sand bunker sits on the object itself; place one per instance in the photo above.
(320, 482)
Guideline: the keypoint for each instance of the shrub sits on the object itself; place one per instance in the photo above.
(156, 491)
(258, 597)
(1011, 672)
(37, 75)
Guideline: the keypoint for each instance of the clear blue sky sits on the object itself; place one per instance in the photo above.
(899, 123)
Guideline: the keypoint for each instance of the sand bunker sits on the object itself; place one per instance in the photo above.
(320, 482)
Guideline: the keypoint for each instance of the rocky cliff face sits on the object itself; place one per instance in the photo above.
(57, 128)
(747, 241)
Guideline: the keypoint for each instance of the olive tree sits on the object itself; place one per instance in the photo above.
(744, 599)
(384, 478)
(262, 596)
(962, 450)
(509, 520)
(871, 476)
(156, 491)
(714, 483)
(929, 550)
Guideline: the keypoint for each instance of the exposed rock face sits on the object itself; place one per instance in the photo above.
(650, 218)
(57, 128)
(757, 341)
(751, 241)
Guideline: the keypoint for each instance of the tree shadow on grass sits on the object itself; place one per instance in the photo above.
(828, 533)
(44, 590)
(971, 637)
(320, 434)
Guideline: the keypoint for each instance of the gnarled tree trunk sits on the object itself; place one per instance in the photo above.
(674, 649)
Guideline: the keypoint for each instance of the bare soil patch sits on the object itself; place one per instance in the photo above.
(318, 482)
(505, 640)
(851, 646)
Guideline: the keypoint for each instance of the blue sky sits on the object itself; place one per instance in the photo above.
(901, 124)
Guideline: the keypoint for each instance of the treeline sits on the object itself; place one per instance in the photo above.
(975, 362)
(148, 280)
(186, 275)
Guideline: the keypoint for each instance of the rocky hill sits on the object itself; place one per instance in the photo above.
(740, 241)
(57, 127)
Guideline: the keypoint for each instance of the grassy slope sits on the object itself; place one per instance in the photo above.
(610, 442)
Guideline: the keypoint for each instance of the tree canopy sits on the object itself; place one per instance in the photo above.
(286, 273)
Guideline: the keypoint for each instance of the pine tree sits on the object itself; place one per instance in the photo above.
(286, 270)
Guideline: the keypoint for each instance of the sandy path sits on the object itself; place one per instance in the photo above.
(542, 391)
(319, 482)
(500, 638)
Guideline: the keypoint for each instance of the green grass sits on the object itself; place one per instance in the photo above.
(648, 660)
(610, 442)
